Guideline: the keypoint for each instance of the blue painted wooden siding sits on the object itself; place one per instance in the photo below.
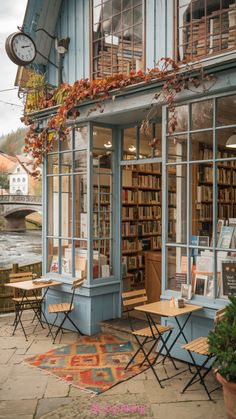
(73, 22)
(159, 30)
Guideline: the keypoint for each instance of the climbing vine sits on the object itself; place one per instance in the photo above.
(174, 80)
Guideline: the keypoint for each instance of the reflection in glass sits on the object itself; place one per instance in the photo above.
(226, 110)
(52, 246)
(201, 145)
(53, 205)
(177, 204)
(177, 268)
(66, 206)
(181, 115)
(202, 114)
(117, 37)
(177, 148)
(129, 143)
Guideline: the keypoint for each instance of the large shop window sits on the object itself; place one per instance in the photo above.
(205, 27)
(117, 37)
(200, 233)
(80, 216)
(67, 205)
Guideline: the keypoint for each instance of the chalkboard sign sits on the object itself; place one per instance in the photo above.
(229, 277)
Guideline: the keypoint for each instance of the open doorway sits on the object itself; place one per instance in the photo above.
(142, 228)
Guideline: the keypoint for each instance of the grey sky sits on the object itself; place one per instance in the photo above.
(11, 15)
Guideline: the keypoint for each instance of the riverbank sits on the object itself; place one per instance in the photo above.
(32, 221)
(20, 247)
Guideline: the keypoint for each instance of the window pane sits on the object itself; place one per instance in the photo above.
(202, 201)
(129, 143)
(101, 257)
(177, 204)
(226, 181)
(52, 167)
(80, 138)
(201, 146)
(202, 114)
(181, 118)
(66, 257)
(177, 148)
(81, 258)
(226, 110)
(66, 162)
(177, 267)
(52, 265)
(53, 205)
(66, 206)
(80, 206)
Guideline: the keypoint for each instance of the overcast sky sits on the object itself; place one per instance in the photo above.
(11, 15)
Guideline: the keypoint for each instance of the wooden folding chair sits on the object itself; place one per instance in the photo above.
(66, 309)
(150, 334)
(200, 346)
(31, 301)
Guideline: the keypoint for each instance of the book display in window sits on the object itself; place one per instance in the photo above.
(205, 28)
(226, 185)
(141, 217)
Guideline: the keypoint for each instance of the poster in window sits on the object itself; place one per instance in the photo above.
(228, 277)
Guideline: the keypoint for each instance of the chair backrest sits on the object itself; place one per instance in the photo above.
(133, 299)
(219, 315)
(20, 277)
(77, 283)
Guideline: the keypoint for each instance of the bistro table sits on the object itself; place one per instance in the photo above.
(32, 286)
(164, 308)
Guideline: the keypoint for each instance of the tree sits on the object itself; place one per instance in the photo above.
(4, 181)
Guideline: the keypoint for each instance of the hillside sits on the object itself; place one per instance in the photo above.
(13, 143)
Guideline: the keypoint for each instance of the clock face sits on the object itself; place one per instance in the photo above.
(20, 48)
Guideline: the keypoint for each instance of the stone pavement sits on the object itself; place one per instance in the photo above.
(29, 393)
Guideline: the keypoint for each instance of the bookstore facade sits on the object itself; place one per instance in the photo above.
(126, 215)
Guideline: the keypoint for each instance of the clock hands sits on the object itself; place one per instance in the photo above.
(25, 46)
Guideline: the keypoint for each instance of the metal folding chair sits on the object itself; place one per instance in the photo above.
(150, 334)
(66, 309)
(200, 346)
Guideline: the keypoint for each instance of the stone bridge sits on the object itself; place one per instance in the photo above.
(14, 208)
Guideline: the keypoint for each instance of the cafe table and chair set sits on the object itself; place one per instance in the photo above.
(152, 340)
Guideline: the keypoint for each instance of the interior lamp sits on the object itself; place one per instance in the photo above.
(132, 148)
(231, 142)
(108, 144)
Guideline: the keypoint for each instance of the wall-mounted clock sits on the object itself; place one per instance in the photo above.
(20, 48)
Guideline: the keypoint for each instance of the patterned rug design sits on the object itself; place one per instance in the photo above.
(95, 363)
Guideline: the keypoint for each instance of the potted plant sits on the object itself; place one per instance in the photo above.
(222, 343)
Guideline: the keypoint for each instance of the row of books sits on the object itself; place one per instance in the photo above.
(207, 154)
(149, 181)
(224, 176)
(211, 34)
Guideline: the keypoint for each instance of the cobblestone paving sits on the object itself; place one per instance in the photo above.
(29, 393)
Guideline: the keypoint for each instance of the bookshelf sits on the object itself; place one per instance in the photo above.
(141, 218)
(226, 183)
(209, 29)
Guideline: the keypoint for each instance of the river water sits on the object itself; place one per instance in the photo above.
(21, 248)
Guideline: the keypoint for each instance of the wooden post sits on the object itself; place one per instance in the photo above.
(15, 268)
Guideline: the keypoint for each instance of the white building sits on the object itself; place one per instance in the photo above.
(19, 180)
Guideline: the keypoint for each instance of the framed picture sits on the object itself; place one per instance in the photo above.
(226, 235)
(186, 291)
(200, 285)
